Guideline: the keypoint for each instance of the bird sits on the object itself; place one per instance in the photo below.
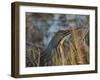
(47, 54)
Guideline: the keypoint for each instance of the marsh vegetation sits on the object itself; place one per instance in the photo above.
(56, 39)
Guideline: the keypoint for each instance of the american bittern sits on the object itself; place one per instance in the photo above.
(57, 54)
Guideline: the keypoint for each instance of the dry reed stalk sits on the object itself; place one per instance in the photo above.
(76, 38)
(38, 58)
(72, 55)
(62, 51)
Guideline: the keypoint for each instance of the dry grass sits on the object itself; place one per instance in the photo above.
(75, 52)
